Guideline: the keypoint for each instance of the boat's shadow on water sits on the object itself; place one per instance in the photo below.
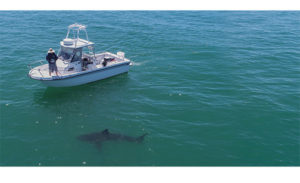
(51, 96)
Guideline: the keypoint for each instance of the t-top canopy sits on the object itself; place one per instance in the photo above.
(77, 26)
(76, 41)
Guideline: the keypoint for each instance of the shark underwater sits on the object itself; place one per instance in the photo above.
(99, 137)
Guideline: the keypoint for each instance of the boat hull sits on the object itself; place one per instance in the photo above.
(87, 77)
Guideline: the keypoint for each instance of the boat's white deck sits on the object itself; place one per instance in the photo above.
(42, 71)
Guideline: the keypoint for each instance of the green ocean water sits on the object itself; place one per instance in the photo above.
(211, 88)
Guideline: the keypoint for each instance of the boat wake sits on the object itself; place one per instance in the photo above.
(138, 63)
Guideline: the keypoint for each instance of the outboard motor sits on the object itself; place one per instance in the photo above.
(121, 55)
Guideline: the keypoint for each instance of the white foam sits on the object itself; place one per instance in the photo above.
(138, 63)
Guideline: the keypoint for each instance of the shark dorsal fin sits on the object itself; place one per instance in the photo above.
(105, 131)
(141, 138)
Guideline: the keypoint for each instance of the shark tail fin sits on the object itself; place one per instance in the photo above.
(141, 138)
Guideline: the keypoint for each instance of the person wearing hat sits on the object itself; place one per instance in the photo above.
(51, 58)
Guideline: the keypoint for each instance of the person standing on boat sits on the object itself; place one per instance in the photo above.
(51, 58)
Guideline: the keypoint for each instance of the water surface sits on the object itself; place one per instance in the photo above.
(211, 89)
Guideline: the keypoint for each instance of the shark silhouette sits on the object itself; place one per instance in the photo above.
(105, 135)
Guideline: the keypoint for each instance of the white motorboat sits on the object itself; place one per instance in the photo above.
(78, 63)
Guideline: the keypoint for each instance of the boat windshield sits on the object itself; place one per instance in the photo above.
(65, 53)
(70, 54)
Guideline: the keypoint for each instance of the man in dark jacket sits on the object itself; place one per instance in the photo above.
(51, 58)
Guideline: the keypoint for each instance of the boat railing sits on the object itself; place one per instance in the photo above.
(33, 66)
(34, 63)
